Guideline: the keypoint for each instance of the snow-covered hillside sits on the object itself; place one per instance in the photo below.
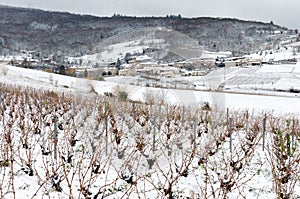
(236, 101)
(159, 41)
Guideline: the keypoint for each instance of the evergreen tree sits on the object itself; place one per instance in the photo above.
(85, 74)
(62, 70)
(118, 64)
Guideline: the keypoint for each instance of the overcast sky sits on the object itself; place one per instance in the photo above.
(281, 12)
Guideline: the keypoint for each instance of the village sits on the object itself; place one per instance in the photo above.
(137, 131)
(134, 65)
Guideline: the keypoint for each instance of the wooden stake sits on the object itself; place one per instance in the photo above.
(153, 144)
(293, 133)
(195, 130)
(230, 131)
(55, 136)
(264, 131)
(106, 128)
(41, 113)
(3, 108)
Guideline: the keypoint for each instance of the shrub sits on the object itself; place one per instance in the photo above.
(123, 95)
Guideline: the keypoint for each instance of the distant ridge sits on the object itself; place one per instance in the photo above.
(74, 34)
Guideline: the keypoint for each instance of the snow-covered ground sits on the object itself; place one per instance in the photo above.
(114, 51)
(266, 79)
(150, 151)
(287, 103)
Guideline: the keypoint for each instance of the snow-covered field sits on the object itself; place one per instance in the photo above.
(278, 102)
(108, 148)
(41, 80)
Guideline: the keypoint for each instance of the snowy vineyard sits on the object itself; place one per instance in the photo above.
(61, 145)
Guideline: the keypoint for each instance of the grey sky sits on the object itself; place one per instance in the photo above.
(281, 12)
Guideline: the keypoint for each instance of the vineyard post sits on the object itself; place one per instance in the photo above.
(153, 144)
(230, 132)
(194, 137)
(73, 107)
(167, 112)
(183, 112)
(206, 119)
(159, 118)
(41, 112)
(55, 136)
(293, 133)
(264, 130)
(2, 102)
(3, 108)
(95, 106)
(227, 116)
(133, 110)
(247, 120)
(106, 127)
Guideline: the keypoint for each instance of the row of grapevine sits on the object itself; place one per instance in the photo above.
(57, 144)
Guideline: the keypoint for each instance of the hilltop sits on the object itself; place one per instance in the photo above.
(75, 35)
